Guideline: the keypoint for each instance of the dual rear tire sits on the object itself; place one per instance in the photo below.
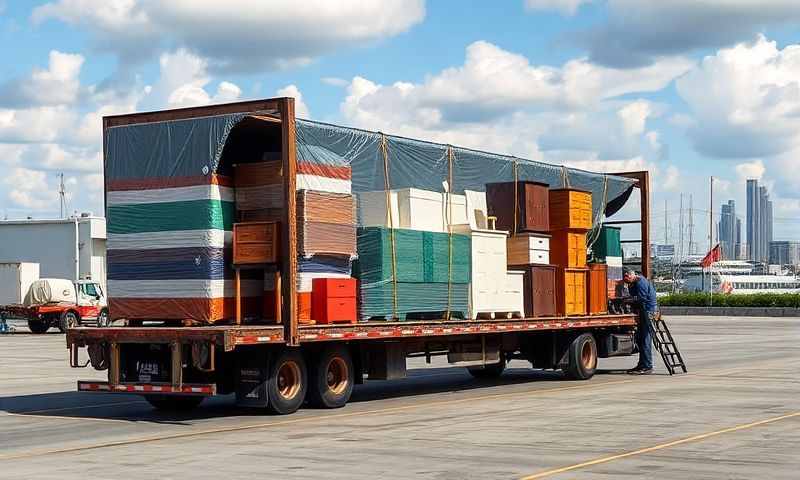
(324, 378)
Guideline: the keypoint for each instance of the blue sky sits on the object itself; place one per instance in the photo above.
(685, 89)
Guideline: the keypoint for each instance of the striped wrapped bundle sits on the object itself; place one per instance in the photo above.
(163, 230)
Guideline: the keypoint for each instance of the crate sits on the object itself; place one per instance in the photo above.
(255, 243)
(570, 209)
(571, 291)
(539, 289)
(257, 173)
(568, 249)
(532, 206)
(527, 248)
(597, 296)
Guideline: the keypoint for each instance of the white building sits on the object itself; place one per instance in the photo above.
(73, 248)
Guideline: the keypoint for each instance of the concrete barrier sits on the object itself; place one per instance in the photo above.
(732, 311)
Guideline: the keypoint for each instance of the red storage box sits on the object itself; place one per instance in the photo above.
(334, 287)
(333, 300)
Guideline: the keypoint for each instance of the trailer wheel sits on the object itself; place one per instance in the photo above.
(38, 326)
(582, 358)
(174, 403)
(491, 370)
(69, 319)
(331, 377)
(287, 382)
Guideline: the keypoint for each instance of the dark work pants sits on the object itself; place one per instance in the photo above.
(644, 339)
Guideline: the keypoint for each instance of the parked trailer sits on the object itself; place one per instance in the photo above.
(279, 367)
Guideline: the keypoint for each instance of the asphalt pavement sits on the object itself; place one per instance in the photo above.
(735, 415)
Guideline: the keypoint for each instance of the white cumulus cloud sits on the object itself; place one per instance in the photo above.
(237, 35)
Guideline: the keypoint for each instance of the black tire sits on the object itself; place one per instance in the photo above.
(287, 382)
(103, 319)
(69, 319)
(174, 403)
(330, 377)
(38, 326)
(490, 370)
(582, 358)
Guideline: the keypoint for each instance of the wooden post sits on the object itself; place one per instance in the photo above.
(289, 233)
(238, 284)
(278, 303)
(113, 364)
(177, 364)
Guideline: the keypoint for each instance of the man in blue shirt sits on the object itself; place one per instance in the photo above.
(644, 296)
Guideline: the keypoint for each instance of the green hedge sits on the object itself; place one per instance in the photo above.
(721, 300)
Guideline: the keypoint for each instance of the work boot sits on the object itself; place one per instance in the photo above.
(641, 371)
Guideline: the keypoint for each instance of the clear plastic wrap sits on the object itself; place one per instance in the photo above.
(171, 201)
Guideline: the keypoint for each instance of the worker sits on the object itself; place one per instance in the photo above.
(643, 296)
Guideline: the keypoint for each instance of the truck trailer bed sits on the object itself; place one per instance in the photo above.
(231, 336)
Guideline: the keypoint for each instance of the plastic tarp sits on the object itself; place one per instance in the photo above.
(170, 201)
(51, 290)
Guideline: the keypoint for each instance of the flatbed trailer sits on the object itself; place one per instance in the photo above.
(279, 367)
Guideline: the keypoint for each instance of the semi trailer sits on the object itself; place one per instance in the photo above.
(176, 347)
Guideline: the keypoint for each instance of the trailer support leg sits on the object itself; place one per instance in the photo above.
(113, 365)
(177, 364)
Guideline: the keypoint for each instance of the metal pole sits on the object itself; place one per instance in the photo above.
(710, 243)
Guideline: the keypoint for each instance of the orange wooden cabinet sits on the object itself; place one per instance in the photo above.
(571, 291)
(255, 243)
(570, 209)
(568, 249)
(333, 300)
(598, 289)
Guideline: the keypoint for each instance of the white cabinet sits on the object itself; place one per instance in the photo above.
(492, 288)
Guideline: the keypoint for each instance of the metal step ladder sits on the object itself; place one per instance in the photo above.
(665, 344)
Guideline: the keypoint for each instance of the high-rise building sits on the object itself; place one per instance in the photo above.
(759, 222)
(727, 230)
(752, 219)
(737, 249)
(784, 253)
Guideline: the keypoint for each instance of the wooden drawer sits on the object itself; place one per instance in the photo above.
(334, 287)
(570, 209)
(333, 310)
(568, 249)
(571, 291)
(255, 242)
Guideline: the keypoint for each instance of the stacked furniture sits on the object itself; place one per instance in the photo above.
(326, 236)
(570, 220)
(523, 208)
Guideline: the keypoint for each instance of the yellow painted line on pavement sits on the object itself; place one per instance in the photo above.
(212, 431)
(674, 443)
